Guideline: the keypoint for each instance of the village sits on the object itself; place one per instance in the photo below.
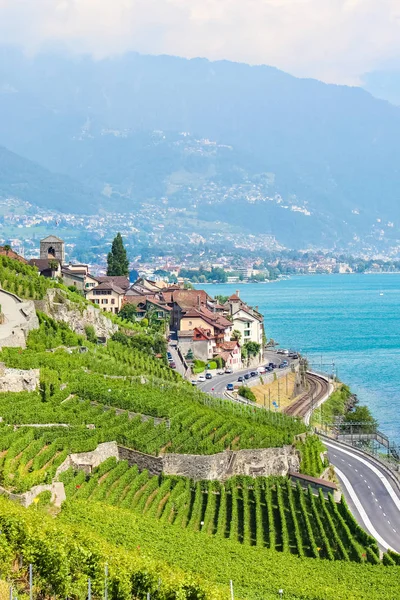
(204, 328)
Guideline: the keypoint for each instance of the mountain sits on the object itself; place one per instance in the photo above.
(24, 179)
(326, 153)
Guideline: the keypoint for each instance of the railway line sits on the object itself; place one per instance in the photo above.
(318, 388)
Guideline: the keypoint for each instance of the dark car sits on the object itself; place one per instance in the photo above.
(230, 387)
(241, 378)
(293, 355)
(269, 369)
(254, 374)
(284, 364)
(172, 365)
(272, 365)
(247, 376)
(208, 376)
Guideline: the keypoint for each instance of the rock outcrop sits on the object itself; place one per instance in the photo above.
(18, 380)
(57, 305)
(18, 318)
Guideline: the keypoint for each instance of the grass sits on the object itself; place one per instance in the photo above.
(279, 391)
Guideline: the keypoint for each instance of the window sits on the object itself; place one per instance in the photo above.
(247, 333)
(104, 301)
(112, 301)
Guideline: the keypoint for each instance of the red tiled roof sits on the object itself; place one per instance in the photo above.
(11, 254)
(42, 263)
(108, 285)
(118, 280)
(232, 345)
(234, 297)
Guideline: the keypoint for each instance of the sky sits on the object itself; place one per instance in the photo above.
(336, 41)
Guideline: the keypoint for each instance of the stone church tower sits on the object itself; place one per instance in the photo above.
(52, 247)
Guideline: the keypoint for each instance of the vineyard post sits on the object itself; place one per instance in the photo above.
(11, 593)
(106, 582)
(231, 586)
(30, 582)
(89, 593)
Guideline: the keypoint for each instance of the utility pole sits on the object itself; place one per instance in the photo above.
(269, 399)
(106, 582)
(231, 587)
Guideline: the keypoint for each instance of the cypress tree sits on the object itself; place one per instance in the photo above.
(117, 260)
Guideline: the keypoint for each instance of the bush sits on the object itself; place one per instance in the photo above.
(246, 392)
(90, 334)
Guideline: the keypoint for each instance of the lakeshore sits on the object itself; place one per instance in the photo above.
(341, 324)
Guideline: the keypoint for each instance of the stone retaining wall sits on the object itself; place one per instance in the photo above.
(56, 488)
(154, 464)
(87, 461)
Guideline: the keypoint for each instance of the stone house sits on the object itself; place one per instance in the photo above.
(108, 296)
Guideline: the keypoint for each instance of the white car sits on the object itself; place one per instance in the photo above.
(228, 371)
(201, 378)
(194, 382)
(262, 370)
(221, 372)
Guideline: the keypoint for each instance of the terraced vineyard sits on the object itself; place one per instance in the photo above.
(263, 512)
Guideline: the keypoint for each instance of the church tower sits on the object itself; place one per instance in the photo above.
(52, 247)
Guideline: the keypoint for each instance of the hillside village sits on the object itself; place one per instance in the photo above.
(203, 327)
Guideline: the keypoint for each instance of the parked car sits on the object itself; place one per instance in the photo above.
(240, 378)
(272, 365)
(247, 375)
(221, 372)
(172, 365)
(201, 378)
(284, 364)
(169, 354)
(293, 355)
(228, 371)
(268, 369)
(230, 387)
(194, 382)
(280, 351)
(262, 370)
(253, 374)
(208, 376)
(285, 352)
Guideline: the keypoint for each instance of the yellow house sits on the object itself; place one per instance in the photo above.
(108, 296)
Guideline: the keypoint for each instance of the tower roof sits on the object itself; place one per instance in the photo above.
(52, 238)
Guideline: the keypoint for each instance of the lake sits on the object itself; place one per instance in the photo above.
(351, 320)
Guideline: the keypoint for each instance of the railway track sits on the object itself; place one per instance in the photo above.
(317, 389)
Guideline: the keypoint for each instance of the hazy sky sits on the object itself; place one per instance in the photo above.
(333, 40)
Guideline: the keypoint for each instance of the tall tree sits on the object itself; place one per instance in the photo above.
(117, 260)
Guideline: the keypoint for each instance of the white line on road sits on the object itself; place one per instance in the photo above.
(361, 510)
(385, 482)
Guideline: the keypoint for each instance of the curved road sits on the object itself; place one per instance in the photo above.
(217, 385)
(370, 493)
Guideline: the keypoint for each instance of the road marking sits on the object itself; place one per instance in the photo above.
(356, 470)
(342, 459)
(361, 510)
(384, 514)
(369, 487)
(380, 507)
(376, 499)
(350, 464)
(394, 530)
(385, 482)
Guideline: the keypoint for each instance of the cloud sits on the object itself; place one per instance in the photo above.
(333, 40)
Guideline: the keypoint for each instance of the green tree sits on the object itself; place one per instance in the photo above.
(252, 348)
(117, 260)
(128, 312)
(236, 335)
(362, 414)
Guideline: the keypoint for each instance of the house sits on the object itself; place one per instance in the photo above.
(149, 305)
(200, 341)
(108, 295)
(219, 326)
(231, 354)
(247, 320)
(50, 268)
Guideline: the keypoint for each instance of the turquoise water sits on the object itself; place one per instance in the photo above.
(345, 319)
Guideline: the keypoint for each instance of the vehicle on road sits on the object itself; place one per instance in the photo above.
(268, 369)
(284, 364)
(240, 378)
(293, 355)
(228, 371)
(201, 378)
(253, 374)
(221, 373)
(169, 354)
(280, 351)
(208, 376)
(273, 365)
(172, 365)
(230, 387)
(247, 375)
(194, 382)
(262, 370)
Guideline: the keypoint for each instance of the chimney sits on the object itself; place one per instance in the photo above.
(237, 293)
(198, 301)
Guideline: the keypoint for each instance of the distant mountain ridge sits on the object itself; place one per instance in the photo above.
(331, 151)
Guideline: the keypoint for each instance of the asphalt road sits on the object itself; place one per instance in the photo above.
(370, 494)
(217, 385)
